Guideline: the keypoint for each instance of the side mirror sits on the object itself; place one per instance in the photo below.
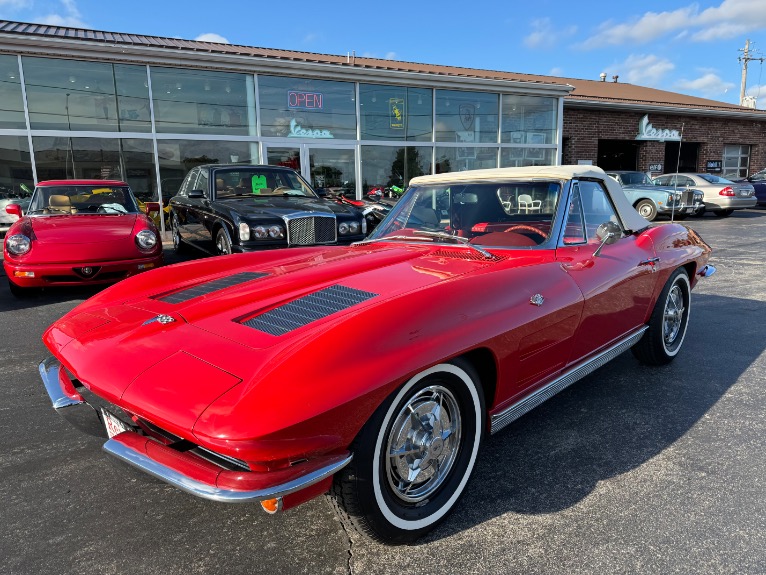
(13, 209)
(608, 233)
(465, 198)
(196, 194)
(151, 207)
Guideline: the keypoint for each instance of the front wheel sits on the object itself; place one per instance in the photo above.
(647, 210)
(178, 244)
(667, 327)
(412, 460)
(222, 243)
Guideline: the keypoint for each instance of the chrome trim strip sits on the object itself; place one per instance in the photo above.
(205, 491)
(49, 372)
(526, 404)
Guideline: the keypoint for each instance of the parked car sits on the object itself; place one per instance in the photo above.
(253, 378)
(758, 181)
(8, 196)
(722, 196)
(78, 232)
(652, 200)
(222, 209)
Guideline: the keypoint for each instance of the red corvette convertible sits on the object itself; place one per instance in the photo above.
(489, 292)
(77, 232)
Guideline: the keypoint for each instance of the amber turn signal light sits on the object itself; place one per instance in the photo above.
(271, 506)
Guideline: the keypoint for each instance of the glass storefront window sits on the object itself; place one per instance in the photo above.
(516, 157)
(386, 166)
(458, 159)
(736, 161)
(530, 120)
(466, 117)
(93, 96)
(203, 102)
(15, 166)
(11, 101)
(178, 157)
(308, 109)
(395, 113)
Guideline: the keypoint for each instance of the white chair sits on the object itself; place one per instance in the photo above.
(528, 205)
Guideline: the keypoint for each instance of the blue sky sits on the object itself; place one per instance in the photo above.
(687, 47)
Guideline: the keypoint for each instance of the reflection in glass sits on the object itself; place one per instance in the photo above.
(94, 96)
(304, 108)
(466, 117)
(15, 165)
(529, 120)
(11, 102)
(395, 113)
(333, 170)
(386, 166)
(458, 159)
(515, 157)
(202, 102)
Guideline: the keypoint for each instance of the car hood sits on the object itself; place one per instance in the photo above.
(82, 229)
(167, 343)
(259, 206)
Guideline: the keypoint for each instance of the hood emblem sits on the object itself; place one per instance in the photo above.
(162, 318)
(537, 300)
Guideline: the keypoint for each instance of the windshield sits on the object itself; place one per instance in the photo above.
(260, 182)
(82, 199)
(512, 214)
(714, 179)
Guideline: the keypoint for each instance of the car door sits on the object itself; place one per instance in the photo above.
(618, 283)
(203, 217)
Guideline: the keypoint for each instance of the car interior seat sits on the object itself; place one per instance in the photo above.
(59, 203)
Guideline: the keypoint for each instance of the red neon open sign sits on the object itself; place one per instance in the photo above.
(304, 100)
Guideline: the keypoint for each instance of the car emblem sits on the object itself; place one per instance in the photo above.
(162, 318)
(537, 300)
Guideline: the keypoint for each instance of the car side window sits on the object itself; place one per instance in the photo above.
(662, 180)
(574, 230)
(685, 181)
(188, 183)
(597, 208)
(202, 182)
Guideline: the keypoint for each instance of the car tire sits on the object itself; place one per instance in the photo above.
(680, 217)
(647, 210)
(667, 326)
(21, 292)
(397, 499)
(723, 213)
(222, 243)
(179, 246)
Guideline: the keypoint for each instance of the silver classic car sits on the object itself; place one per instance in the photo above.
(722, 196)
(652, 200)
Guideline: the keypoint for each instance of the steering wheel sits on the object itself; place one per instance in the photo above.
(526, 229)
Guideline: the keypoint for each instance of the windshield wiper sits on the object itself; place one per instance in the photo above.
(375, 240)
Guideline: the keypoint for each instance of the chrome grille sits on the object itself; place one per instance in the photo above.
(687, 198)
(310, 308)
(310, 230)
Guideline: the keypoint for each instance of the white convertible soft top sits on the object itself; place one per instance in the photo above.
(631, 219)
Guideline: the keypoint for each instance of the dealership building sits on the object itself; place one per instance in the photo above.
(82, 103)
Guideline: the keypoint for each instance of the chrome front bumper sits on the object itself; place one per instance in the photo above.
(163, 462)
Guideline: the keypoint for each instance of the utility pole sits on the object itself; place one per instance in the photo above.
(745, 58)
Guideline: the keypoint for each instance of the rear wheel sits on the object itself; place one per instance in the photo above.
(723, 213)
(647, 210)
(222, 243)
(412, 460)
(667, 327)
(178, 244)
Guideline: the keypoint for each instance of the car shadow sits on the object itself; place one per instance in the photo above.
(610, 422)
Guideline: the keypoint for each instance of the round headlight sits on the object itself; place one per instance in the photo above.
(260, 232)
(343, 229)
(18, 244)
(276, 232)
(146, 239)
(244, 231)
(353, 228)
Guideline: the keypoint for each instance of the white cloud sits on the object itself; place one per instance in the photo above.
(759, 93)
(15, 4)
(544, 35)
(71, 16)
(729, 19)
(556, 71)
(642, 69)
(709, 85)
(212, 37)
(390, 56)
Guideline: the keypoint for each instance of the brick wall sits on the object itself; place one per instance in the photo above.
(584, 128)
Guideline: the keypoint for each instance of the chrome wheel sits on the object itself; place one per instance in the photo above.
(222, 244)
(176, 234)
(423, 444)
(673, 316)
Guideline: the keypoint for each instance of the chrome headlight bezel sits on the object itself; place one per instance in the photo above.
(276, 232)
(146, 240)
(18, 244)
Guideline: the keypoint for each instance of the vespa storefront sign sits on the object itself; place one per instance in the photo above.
(648, 132)
(298, 131)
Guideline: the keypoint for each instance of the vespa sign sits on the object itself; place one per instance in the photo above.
(648, 132)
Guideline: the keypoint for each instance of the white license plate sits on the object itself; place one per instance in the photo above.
(113, 425)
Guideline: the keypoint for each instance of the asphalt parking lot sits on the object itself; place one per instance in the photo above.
(632, 470)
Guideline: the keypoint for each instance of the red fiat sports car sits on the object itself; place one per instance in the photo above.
(373, 371)
(77, 232)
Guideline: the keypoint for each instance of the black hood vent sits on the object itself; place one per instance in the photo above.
(308, 309)
(209, 287)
